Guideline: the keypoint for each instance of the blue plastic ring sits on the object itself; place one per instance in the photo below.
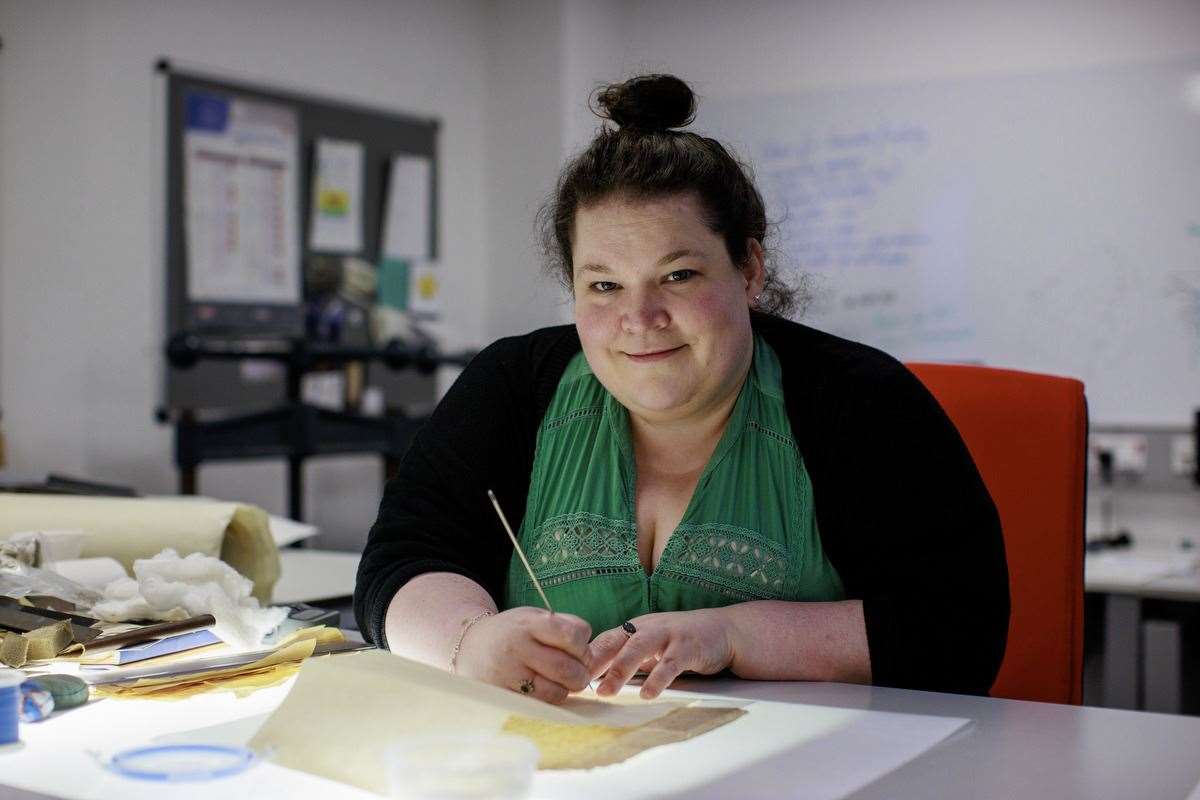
(240, 759)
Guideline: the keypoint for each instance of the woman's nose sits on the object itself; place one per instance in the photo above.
(646, 312)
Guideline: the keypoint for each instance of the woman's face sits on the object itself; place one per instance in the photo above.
(661, 310)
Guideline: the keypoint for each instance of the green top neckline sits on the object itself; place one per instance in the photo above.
(748, 531)
(617, 418)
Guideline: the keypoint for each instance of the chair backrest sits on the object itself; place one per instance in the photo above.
(1028, 436)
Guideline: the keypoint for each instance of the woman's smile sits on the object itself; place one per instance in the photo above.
(647, 356)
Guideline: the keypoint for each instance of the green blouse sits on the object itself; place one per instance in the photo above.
(748, 533)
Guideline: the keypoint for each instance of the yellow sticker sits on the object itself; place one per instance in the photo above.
(427, 286)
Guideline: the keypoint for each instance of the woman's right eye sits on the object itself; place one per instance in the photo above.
(603, 287)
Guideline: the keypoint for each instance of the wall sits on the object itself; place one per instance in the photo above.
(81, 321)
(776, 45)
(523, 150)
(80, 298)
(41, 161)
(595, 51)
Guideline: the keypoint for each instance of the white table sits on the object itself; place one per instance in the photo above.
(1011, 749)
(1014, 749)
(1142, 658)
(310, 576)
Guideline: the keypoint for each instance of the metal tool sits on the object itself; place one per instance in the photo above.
(51, 613)
(24, 620)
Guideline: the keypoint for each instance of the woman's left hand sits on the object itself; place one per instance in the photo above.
(665, 645)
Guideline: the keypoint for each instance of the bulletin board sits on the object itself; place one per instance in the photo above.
(1044, 222)
(279, 310)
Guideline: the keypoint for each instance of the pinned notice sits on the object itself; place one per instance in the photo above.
(425, 291)
(336, 223)
(240, 176)
(407, 220)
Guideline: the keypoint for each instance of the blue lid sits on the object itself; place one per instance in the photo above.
(182, 762)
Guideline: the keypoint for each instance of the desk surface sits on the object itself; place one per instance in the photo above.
(1012, 749)
(310, 576)
(1102, 573)
(1160, 523)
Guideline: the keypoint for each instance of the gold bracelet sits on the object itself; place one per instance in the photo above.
(462, 634)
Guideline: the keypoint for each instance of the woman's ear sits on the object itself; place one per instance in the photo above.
(754, 270)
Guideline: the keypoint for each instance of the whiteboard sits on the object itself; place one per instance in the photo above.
(1048, 223)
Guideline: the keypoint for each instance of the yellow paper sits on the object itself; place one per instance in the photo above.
(174, 687)
(587, 746)
(321, 634)
(269, 670)
(241, 684)
(560, 744)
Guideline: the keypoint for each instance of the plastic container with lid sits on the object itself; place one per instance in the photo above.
(461, 767)
(10, 705)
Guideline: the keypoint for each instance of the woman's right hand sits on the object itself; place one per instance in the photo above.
(528, 644)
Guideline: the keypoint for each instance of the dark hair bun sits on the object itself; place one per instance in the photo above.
(648, 103)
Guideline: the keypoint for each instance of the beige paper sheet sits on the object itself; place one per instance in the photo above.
(343, 713)
(127, 529)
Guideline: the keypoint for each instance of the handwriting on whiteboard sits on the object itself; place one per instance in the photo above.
(830, 181)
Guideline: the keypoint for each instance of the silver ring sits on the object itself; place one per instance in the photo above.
(526, 686)
(629, 628)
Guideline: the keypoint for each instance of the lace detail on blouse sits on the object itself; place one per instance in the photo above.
(581, 543)
(735, 560)
(732, 561)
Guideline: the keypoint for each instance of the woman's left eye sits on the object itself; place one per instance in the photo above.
(680, 275)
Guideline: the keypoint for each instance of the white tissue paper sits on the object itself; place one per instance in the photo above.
(91, 573)
(168, 587)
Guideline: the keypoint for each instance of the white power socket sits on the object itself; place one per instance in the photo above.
(1130, 452)
(1183, 454)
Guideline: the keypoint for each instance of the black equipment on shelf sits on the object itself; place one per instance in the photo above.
(295, 430)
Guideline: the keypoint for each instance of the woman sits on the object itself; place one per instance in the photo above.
(699, 484)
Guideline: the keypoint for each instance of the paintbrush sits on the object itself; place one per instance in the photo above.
(528, 569)
(517, 546)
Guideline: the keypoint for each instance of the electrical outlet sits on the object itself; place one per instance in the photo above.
(1129, 451)
(1183, 454)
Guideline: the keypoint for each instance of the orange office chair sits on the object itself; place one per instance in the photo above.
(1028, 436)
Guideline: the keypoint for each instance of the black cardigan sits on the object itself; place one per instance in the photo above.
(902, 512)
